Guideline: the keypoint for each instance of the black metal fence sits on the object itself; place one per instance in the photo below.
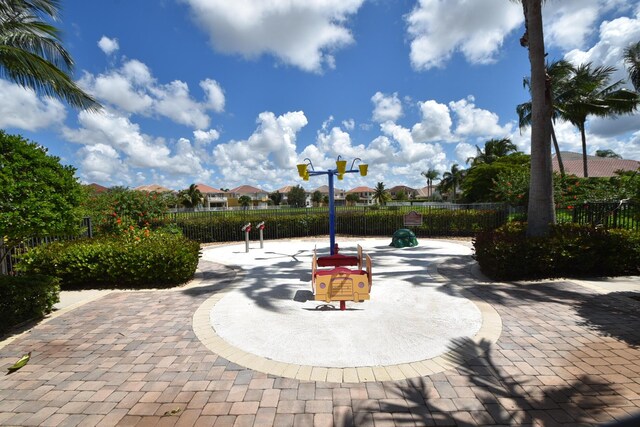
(8, 261)
(438, 220)
(624, 215)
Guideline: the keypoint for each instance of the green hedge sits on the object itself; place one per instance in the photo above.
(570, 250)
(226, 227)
(159, 259)
(26, 297)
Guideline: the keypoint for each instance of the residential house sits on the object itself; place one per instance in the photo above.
(258, 196)
(598, 167)
(213, 198)
(339, 195)
(365, 194)
(409, 192)
(154, 188)
(428, 192)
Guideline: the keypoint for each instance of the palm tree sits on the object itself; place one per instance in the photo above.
(245, 201)
(493, 150)
(31, 54)
(451, 180)
(558, 76)
(632, 60)
(430, 174)
(380, 195)
(191, 197)
(541, 209)
(593, 95)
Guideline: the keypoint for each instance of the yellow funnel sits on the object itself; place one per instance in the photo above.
(342, 167)
(363, 169)
(302, 169)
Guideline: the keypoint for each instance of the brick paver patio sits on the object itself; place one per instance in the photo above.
(566, 356)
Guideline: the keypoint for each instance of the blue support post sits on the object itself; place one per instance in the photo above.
(332, 216)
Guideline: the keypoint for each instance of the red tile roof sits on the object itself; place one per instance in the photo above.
(362, 190)
(205, 189)
(596, 166)
(154, 188)
(246, 189)
(97, 187)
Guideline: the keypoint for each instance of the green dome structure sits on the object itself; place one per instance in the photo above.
(403, 238)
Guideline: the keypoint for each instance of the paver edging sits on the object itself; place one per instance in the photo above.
(489, 332)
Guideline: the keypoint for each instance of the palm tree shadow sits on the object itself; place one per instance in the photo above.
(505, 399)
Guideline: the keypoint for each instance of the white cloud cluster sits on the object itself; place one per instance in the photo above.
(614, 37)
(113, 146)
(22, 108)
(269, 151)
(477, 29)
(133, 90)
(302, 33)
(107, 45)
(386, 107)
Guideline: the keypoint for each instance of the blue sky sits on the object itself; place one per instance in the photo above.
(231, 93)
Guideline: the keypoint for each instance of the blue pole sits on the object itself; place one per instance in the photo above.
(332, 216)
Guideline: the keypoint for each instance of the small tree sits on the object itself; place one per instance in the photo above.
(401, 196)
(610, 154)
(276, 197)
(316, 198)
(245, 201)
(352, 198)
(297, 197)
(38, 197)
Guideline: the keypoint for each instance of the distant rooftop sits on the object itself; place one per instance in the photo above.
(205, 189)
(154, 188)
(598, 167)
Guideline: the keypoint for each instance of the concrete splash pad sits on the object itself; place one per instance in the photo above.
(270, 312)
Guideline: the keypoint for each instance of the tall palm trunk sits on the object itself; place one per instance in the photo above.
(540, 212)
(557, 148)
(584, 150)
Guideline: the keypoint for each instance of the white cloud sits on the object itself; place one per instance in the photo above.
(135, 148)
(569, 23)
(205, 137)
(614, 37)
(107, 45)
(102, 163)
(173, 101)
(21, 108)
(302, 33)
(349, 124)
(215, 95)
(386, 107)
(268, 155)
(133, 89)
(435, 125)
(463, 151)
(477, 29)
(476, 122)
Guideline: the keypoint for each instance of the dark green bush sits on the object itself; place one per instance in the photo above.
(570, 250)
(26, 297)
(226, 226)
(155, 259)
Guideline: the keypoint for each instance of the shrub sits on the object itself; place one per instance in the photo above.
(26, 297)
(569, 250)
(140, 259)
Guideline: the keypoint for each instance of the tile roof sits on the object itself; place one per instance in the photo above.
(362, 189)
(246, 189)
(205, 189)
(324, 189)
(97, 187)
(596, 166)
(404, 188)
(154, 188)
